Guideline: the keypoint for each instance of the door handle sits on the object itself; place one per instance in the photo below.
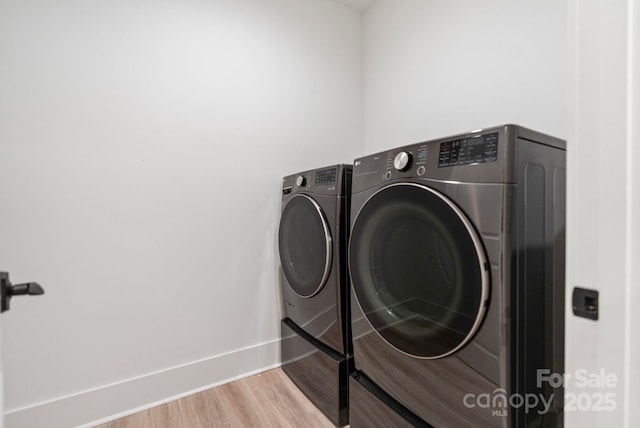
(7, 290)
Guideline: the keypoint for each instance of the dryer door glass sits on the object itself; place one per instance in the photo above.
(419, 271)
(305, 245)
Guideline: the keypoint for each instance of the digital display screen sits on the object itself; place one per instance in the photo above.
(326, 177)
(480, 149)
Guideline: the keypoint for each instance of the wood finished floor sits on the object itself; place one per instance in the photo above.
(268, 399)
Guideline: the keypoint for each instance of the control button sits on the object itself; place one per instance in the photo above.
(421, 169)
(300, 181)
(387, 175)
(402, 161)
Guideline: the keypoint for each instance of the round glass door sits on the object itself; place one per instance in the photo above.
(305, 246)
(419, 271)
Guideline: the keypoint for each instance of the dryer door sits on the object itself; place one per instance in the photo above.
(419, 271)
(305, 245)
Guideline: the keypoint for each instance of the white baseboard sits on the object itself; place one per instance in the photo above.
(103, 404)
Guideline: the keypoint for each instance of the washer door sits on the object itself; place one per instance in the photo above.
(305, 246)
(419, 271)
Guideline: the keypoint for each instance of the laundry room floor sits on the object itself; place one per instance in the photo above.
(266, 399)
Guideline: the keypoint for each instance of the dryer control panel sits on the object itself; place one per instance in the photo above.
(476, 149)
(479, 156)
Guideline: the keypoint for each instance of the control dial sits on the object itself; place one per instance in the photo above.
(402, 161)
(300, 181)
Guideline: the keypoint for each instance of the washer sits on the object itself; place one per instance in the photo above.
(316, 344)
(457, 267)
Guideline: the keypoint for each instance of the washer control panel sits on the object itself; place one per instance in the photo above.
(326, 177)
(326, 181)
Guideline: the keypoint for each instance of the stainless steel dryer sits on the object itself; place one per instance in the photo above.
(457, 265)
(316, 344)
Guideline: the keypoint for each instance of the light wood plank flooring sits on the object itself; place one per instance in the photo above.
(268, 399)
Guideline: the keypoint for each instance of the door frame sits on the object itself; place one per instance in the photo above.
(603, 206)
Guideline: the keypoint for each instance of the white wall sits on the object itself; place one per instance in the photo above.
(142, 149)
(435, 68)
(604, 203)
(632, 338)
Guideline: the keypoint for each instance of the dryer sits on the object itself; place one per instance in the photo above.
(312, 238)
(456, 259)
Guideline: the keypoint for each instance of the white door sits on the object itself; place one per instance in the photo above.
(1, 381)
(7, 292)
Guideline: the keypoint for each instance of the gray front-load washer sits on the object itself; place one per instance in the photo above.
(312, 241)
(456, 259)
